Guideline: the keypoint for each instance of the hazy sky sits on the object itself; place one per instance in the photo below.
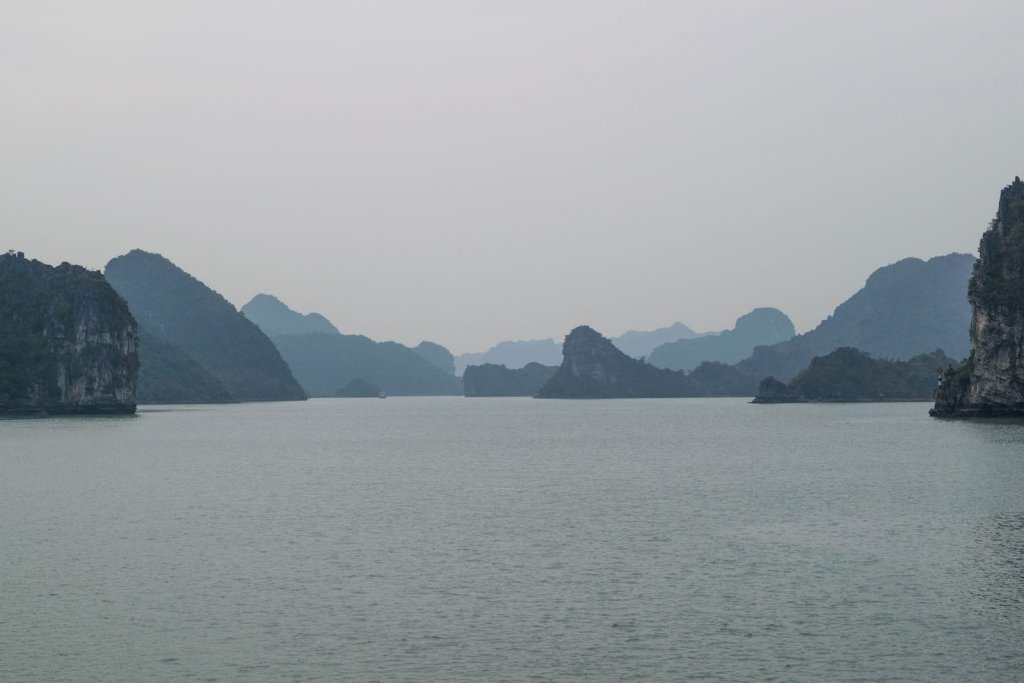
(469, 172)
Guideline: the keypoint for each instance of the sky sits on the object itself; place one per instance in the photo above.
(469, 172)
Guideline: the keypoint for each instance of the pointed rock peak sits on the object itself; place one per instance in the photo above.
(275, 318)
(585, 344)
(142, 257)
(267, 300)
(1011, 205)
(585, 336)
(584, 332)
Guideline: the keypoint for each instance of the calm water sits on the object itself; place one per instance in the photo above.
(512, 539)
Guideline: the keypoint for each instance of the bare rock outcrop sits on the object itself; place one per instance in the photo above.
(68, 344)
(991, 383)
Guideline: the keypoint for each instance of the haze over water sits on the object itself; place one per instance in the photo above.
(512, 539)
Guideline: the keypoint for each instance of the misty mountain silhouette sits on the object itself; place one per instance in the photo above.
(203, 326)
(762, 326)
(904, 309)
(325, 361)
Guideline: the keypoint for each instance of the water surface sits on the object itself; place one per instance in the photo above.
(438, 539)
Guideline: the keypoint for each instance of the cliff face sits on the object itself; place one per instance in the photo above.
(992, 381)
(67, 341)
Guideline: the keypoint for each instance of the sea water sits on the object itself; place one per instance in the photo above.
(440, 539)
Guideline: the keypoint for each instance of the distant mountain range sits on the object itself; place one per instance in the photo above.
(497, 380)
(193, 346)
(639, 343)
(593, 367)
(912, 309)
(904, 309)
(513, 354)
(207, 350)
(325, 362)
(275, 319)
(762, 326)
(516, 354)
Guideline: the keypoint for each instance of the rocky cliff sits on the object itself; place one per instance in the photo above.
(991, 383)
(67, 341)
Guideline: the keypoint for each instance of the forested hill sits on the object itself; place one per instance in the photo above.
(173, 305)
(324, 360)
(324, 363)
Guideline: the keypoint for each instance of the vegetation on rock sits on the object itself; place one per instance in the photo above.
(849, 374)
(171, 376)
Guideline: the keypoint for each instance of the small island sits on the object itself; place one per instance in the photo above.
(592, 367)
(851, 375)
(491, 379)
